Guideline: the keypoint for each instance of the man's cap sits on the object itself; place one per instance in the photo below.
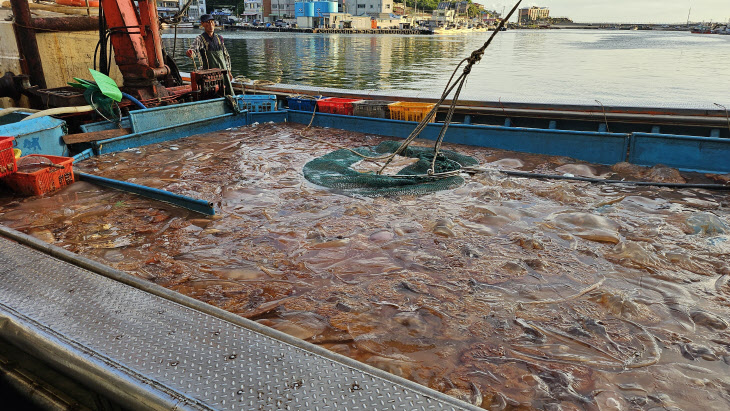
(205, 17)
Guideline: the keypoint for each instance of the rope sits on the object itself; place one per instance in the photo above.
(605, 119)
(474, 170)
(174, 42)
(727, 116)
(474, 58)
(177, 18)
(117, 122)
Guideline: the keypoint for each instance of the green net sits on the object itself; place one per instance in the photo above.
(334, 170)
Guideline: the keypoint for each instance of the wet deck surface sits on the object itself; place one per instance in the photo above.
(505, 292)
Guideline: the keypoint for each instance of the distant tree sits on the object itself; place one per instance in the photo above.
(429, 5)
(474, 11)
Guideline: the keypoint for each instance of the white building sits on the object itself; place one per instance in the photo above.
(196, 9)
(253, 10)
(348, 21)
(372, 8)
(443, 17)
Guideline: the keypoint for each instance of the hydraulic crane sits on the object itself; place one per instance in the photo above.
(133, 29)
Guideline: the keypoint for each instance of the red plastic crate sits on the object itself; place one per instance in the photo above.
(45, 180)
(7, 157)
(336, 105)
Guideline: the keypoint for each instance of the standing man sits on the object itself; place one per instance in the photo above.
(211, 49)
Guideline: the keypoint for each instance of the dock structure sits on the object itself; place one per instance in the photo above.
(75, 332)
(330, 30)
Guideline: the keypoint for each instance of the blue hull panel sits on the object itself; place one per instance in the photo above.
(275, 116)
(595, 147)
(164, 117)
(160, 135)
(688, 153)
(155, 125)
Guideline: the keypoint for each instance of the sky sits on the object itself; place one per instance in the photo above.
(629, 11)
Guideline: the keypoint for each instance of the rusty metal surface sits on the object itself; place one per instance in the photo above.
(77, 23)
(62, 97)
(139, 347)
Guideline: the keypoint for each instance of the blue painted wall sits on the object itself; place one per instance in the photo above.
(314, 8)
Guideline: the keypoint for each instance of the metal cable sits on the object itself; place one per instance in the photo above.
(474, 58)
(605, 118)
(474, 170)
(727, 116)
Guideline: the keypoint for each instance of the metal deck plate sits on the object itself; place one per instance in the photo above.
(193, 359)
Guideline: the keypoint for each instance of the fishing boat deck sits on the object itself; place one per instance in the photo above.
(137, 346)
(503, 292)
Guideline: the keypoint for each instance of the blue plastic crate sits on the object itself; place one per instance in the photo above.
(257, 103)
(302, 103)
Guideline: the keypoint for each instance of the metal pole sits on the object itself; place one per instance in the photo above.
(193, 204)
(27, 42)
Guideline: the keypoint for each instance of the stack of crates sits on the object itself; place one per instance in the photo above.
(53, 173)
(408, 111)
(372, 108)
(335, 105)
(302, 103)
(7, 156)
(257, 103)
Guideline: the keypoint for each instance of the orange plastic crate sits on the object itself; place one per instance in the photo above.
(335, 105)
(7, 157)
(409, 111)
(45, 180)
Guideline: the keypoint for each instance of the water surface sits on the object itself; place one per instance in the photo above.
(653, 68)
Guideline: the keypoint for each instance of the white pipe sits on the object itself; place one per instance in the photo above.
(6, 111)
(59, 110)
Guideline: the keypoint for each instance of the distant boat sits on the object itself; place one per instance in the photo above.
(702, 30)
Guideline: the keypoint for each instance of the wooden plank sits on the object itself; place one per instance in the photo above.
(95, 135)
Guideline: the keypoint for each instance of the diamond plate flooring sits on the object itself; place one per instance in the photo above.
(199, 360)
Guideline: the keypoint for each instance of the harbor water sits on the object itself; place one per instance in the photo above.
(615, 67)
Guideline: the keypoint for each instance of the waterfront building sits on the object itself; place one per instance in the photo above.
(372, 8)
(171, 7)
(533, 14)
(280, 9)
(314, 14)
(253, 11)
(324, 14)
(166, 8)
(347, 21)
(458, 7)
(443, 17)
